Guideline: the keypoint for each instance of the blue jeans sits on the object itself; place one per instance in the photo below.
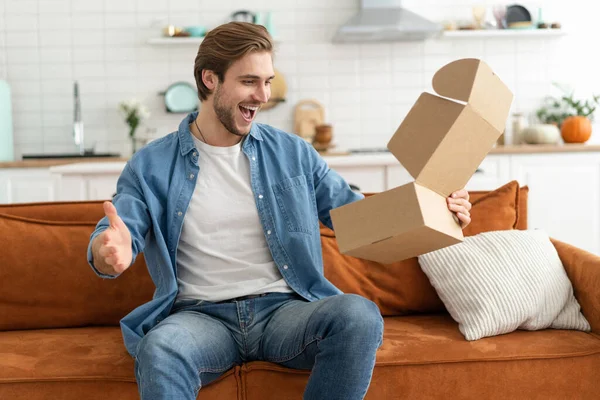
(335, 337)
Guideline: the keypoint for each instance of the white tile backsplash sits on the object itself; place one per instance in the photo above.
(58, 38)
(51, 22)
(367, 89)
(21, 6)
(54, 7)
(83, 7)
(21, 39)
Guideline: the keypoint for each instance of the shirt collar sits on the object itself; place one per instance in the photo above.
(186, 143)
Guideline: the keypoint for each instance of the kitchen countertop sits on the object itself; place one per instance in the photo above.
(545, 148)
(51, 162)
(368, 158)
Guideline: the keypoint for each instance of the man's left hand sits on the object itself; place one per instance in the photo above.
(458, 203)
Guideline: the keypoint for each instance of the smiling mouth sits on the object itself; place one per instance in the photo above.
(248, 112)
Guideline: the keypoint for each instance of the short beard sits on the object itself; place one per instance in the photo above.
(226, 115)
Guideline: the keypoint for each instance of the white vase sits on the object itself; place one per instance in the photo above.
(541, 134)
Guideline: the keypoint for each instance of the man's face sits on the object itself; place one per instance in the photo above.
(246, 87)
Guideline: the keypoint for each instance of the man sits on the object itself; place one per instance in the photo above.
(227, 213)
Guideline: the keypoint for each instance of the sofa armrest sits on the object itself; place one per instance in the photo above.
(583, 269)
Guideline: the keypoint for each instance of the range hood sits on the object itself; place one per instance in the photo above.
(385, 21)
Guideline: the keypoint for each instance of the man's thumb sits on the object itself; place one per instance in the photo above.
(111, 213)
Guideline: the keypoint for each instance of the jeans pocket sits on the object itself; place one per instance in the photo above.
(296, 200)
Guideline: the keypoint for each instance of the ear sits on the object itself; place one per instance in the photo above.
(210, 79)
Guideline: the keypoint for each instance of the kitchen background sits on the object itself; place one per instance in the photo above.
(366, 89)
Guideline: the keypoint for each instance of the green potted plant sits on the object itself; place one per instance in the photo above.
(134, 112)
(572, 116)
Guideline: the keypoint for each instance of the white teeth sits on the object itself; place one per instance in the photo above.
(251, 108)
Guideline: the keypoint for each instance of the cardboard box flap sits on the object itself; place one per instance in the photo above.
(422, 131)
(473, 81)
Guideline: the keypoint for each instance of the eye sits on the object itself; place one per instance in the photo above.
(248, 82)
(268, 83)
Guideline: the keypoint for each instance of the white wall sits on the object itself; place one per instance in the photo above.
(367, 89)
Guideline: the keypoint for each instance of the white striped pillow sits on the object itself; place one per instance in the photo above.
(496, 282)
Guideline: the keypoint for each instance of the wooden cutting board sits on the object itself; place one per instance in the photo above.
(278, 91)
(308, 114)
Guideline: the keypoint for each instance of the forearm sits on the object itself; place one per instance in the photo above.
(98, 260)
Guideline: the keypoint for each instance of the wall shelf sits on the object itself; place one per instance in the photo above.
(174, 40)
(168, 41)
(503, 33)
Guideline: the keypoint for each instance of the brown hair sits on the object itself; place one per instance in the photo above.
(225, 44)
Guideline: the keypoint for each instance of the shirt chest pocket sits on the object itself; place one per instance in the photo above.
(296, 201)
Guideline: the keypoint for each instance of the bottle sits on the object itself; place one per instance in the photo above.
(6, 127)
(517, 126)
(269, 24)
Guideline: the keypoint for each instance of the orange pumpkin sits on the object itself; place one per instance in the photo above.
(576, 129)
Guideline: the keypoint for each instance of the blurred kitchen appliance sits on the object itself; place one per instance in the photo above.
(385, 21)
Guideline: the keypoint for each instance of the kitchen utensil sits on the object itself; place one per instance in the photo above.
(322, 138)
(479, 16)
(6, 127)
(243, 16)
(195, 31)
(499, 12)
(278, 91)
(517, 16)
(308, 115)
(174, 31)
(181, 97)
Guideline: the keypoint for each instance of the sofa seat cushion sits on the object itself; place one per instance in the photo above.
(78, 363)
(426, 356)
(429, 339)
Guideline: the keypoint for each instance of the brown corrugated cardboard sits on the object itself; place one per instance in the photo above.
(441, 142)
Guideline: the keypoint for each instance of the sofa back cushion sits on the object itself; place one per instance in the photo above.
(402, 288)
(48, 283)
(495, 210)
(47, 280)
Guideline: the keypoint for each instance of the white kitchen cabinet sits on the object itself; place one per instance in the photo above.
(366, 179)
(396, 176)
(26, 185)
(493, 172)
(86, 181)
(564, 195)
(564, 187)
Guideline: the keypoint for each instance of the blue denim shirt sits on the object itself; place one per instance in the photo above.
(293, 189)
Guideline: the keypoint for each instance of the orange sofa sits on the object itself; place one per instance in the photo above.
(60, 335)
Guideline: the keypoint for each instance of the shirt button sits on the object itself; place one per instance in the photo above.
(179, 213)
(191, 176)
(195, 154)
(260, 196)
(268, 232)
(285, 267)
(253, 158)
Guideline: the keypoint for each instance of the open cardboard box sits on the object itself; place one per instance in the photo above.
(441, 142)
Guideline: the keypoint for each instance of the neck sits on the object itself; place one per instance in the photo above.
(215, 134)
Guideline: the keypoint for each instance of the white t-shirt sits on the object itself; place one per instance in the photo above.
(222, 250)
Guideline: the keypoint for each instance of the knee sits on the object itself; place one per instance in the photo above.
(160, 345)
(358, 316)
